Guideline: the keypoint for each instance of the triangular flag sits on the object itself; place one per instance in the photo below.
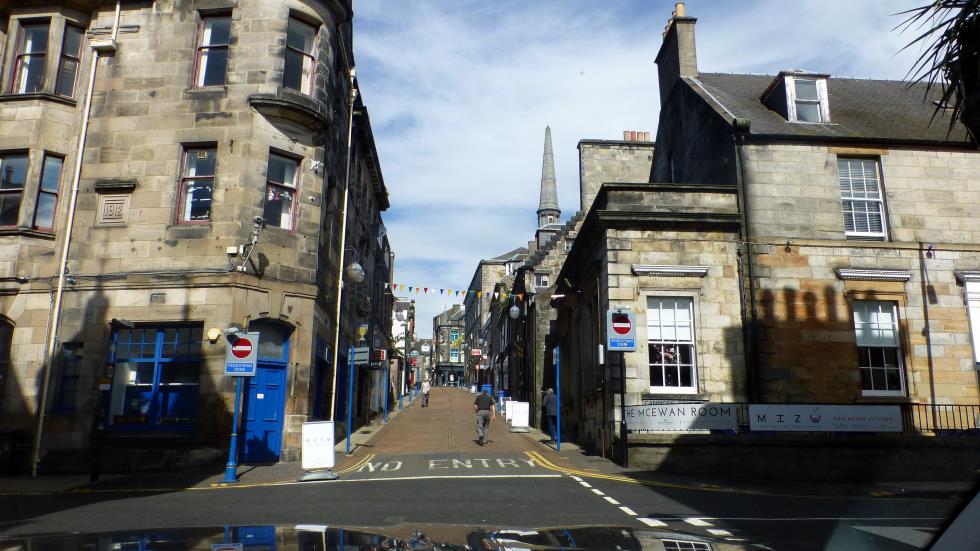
(426, 289)
(479, 294)
(520, 296)
(386, 285)
(441, 290)
(503, 295)
(410, 289)
(495, 295)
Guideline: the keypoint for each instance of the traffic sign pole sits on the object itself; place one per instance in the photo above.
(558, 398)
(387, 388)
(350, 397)
(231, 469)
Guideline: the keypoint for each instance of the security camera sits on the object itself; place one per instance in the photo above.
(258, 221)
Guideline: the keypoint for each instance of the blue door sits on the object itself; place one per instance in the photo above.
(265, 400)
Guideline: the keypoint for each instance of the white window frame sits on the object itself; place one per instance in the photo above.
(541, 281)
(692, 342)
(876, 326)
(824, 103)
(880, 201)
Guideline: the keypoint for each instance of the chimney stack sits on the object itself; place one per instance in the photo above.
(635, 136)
(677, 57)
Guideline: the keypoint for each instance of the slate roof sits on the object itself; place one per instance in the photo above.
(520, 251)
(886, 110)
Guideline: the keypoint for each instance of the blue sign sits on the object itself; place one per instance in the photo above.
(622, 344)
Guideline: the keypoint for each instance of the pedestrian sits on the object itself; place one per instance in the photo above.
(426, 387)
(485, 408)
(550, 404)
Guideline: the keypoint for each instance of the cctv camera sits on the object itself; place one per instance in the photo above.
(258, 221)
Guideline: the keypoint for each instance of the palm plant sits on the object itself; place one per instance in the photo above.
(949, 30)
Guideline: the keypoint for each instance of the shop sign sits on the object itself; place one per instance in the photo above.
(318, 445)
(824, 418)
(681, 417)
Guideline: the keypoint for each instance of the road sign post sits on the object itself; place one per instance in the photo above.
(620, 330)
(241, 359)
(558, 398)
(350, 393)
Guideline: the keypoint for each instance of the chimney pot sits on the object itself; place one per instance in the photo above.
(626, 135)
(679, 9)
(632, 135)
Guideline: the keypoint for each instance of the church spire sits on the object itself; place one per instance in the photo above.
(548, 211)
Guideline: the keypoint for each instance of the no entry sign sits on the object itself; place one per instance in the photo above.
(242, 354)
(620, 331)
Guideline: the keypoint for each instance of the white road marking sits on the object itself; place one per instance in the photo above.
(652, 523)
(583, 483)
(628, 511)
(911, 535)
(576, 479)
(718, 532)
(693, 521)
(597, 492)
(382, 478)
(611, 500)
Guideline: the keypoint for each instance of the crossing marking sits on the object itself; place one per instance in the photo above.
(597, 492)
(718, 532)
(611, 500)
(652, 523)
(628, 511)
(694, 521)
(584, 483)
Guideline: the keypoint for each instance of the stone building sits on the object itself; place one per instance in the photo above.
(207, 142)
(476, 303)
(449, 347)
(802, 239)
(403, 335)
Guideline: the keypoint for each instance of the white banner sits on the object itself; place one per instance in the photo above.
(818, 418)
(681, 417)
(507, 411)
(318, 445)
(520, 413)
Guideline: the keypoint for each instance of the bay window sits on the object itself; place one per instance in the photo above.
(47, 194)
(13, 175)
(29, 58)
(300, 61)
(71, 56)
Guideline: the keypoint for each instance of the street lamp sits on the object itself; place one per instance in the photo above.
(515, 312)
(355, 273)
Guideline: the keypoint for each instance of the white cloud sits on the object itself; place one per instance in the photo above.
(460, 93)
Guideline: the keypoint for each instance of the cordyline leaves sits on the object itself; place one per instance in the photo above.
(950, 31)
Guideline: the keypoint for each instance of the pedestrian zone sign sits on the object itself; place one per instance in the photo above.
(620, 330)
(242, 354)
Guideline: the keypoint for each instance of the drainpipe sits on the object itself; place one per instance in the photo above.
(55, 315)
(750, 334)
(343, 235)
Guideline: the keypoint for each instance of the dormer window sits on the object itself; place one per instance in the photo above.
(807, 99)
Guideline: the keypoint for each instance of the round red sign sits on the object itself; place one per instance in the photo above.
(621, 324)
(242, 348)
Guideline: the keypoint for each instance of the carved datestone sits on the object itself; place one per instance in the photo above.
(113, 210)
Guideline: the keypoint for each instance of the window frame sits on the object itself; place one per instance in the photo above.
(695, 379)
(882, 206)
(158, 361)
(183, 180)
(900, 352)
(3, 156)
(312, 56)
(77, 58)
(17, 56)
(822, 102)
(294, 205)
(198, 74)
(41, 191)
(66, 400)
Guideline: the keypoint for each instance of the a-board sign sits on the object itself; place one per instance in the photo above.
(242, 354)
(508, 412)
(620, 331)
(318, 445)
(520, 414)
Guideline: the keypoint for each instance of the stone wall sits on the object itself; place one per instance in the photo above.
(603, 161)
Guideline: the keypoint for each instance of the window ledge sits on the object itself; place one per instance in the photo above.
(968, 277)
(43, 96)
(210, 91)
(853, 274)
(292, 106)
(667, 270)
(27, 233)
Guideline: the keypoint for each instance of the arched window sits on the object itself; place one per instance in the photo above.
(273, 339)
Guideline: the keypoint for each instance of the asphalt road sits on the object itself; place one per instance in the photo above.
(499, 490)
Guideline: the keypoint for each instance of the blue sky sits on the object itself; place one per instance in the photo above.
(460, 92)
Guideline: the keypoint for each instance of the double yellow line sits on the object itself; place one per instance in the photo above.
(357, 465)
(545, 463)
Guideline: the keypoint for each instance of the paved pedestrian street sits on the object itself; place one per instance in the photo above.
(425, 469)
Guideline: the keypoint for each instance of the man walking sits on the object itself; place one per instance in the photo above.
(550, 404)
(484, 405)
(425, 393)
